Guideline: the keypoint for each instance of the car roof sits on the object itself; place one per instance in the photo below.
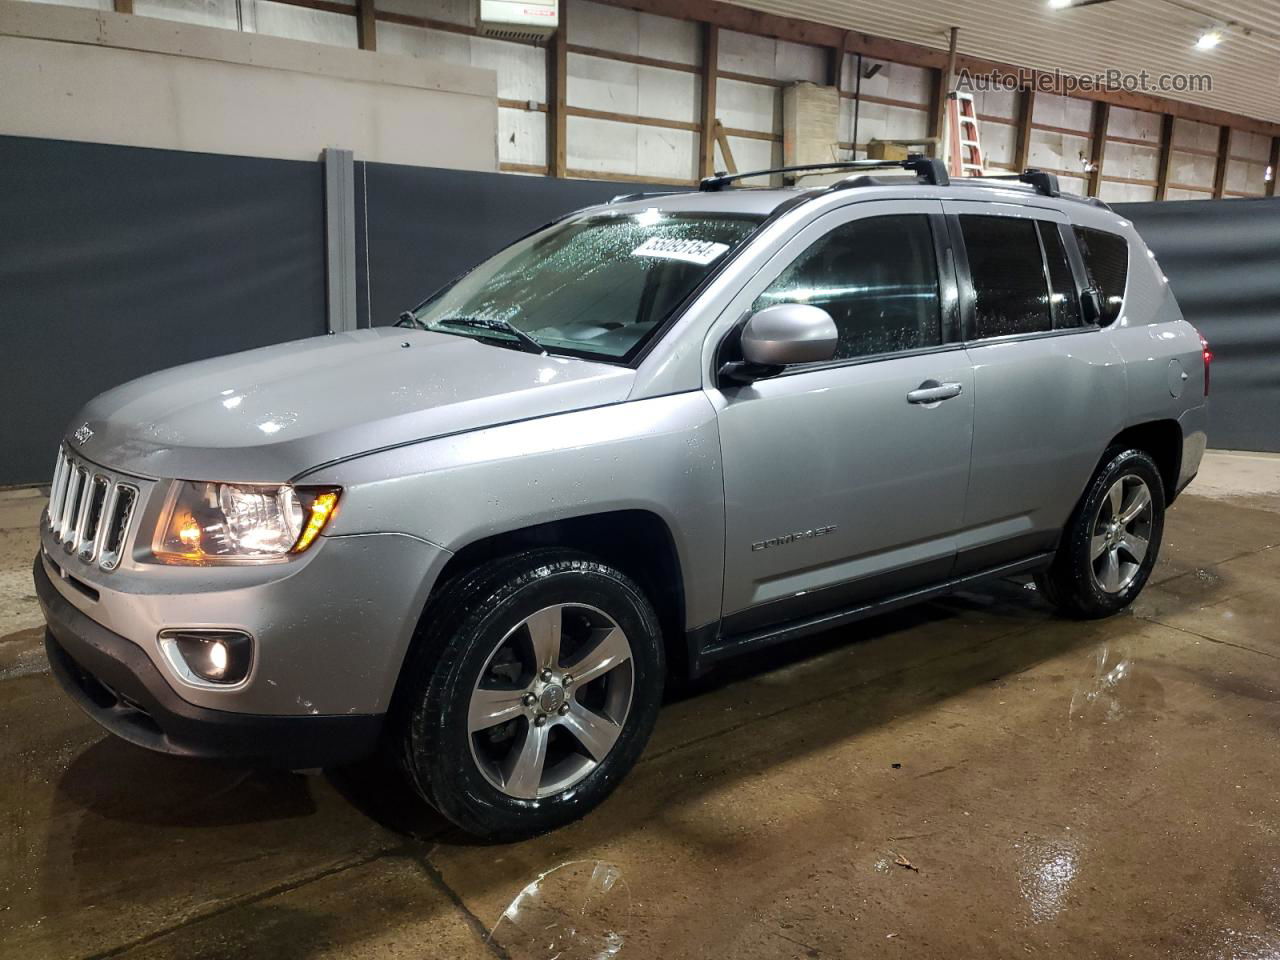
(756, 201)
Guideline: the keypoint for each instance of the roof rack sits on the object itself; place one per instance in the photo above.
(930, 169)
(1044, 183)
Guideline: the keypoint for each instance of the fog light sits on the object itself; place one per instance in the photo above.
(219, 657)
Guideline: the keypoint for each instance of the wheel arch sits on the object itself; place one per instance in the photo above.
(637, 542)
(1162, 440)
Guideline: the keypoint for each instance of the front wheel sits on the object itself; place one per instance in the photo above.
(533, 692)
(1112, 539)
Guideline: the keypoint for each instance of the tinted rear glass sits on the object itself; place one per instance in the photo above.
(1010, 293)
(1106, 257)
(1064, 300)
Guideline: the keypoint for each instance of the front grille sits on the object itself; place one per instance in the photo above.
(90, 510)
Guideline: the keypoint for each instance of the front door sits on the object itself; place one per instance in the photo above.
(845, 480)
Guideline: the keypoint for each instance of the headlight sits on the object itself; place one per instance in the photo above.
(228, 522)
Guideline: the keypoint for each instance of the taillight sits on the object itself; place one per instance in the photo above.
(1208, 359)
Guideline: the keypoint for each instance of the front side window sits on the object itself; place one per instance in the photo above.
(1106, 257)
(597, 286)
(877, 277)
(1010, 293)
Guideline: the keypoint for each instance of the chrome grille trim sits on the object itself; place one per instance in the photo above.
(90, 510)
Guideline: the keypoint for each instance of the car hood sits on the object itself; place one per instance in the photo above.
(270, 414)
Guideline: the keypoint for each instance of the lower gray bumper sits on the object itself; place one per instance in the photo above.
(116, 683)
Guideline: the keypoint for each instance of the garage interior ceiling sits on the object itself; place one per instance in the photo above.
(1129, 35)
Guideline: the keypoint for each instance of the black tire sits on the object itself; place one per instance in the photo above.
(1072, 583)
(467, 623)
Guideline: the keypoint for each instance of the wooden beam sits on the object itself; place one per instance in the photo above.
(1220, 169)
(1275, 166)
(367, 24)
(938, 104)
(628, 177)
(722, 138)
(557, 106)
(632, 58)
(123, 6)
(710, 61)
(1166, 157)
(1022, 141)
(1098, 145)
(742, 134)
(506, 167)
(938, 111)
(632, 118)
(731, 17)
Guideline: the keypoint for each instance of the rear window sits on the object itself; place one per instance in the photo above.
(1106, 257)
(1010, 293)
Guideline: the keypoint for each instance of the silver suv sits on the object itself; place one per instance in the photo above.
(650, 436)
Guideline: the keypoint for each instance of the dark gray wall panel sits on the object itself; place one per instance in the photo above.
(119, 261)
(1222, 258)
(426, 226)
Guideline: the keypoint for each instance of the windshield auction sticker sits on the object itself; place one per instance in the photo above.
(700, 252)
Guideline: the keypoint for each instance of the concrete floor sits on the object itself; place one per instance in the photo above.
(1062, 789)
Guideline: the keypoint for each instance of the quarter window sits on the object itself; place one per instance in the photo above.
(1010, 293)
(1063, 299)
(1106, 257)
(877, 277)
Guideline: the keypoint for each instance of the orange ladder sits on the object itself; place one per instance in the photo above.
(964, 156)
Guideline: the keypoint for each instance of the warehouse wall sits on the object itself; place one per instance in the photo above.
(633, 98)
(189, 255)
(117, 261)
(1222, 259)
(107, 78)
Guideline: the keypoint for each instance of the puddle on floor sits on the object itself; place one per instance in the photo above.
(577, 911)
(1046, 870)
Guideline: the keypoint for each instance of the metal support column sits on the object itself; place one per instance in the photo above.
(340, 238)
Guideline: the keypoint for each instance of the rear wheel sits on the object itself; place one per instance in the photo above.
(1112, 539)
(533, 692)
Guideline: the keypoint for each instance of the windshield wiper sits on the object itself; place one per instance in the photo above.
(527, 342)
(409, 319)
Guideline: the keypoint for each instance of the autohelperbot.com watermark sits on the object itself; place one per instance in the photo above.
(1056, 81)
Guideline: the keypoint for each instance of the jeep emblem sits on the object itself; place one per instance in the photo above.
(82, 435)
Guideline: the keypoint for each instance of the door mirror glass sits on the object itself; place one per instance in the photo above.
(789, 333)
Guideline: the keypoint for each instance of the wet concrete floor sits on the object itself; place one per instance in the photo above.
(1106, 789)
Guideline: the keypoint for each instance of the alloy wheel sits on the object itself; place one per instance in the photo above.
(551, 701)
(1121, 534)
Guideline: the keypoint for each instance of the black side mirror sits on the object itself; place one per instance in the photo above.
(1091, 305)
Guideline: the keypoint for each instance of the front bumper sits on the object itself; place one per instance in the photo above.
(114, 681)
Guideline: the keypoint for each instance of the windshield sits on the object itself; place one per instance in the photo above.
(597, 286)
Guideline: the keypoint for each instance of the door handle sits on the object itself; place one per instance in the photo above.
(931, 391)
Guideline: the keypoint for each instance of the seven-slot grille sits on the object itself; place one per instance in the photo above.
(90, 510)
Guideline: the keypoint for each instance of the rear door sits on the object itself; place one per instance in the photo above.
(1049, 390)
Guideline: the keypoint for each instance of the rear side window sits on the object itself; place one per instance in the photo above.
(1063, 299)
(1010, 293)
(877, 277)
(1106, 257)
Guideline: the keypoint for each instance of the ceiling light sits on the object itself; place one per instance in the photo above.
(1209, 39)
(1059, 4)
